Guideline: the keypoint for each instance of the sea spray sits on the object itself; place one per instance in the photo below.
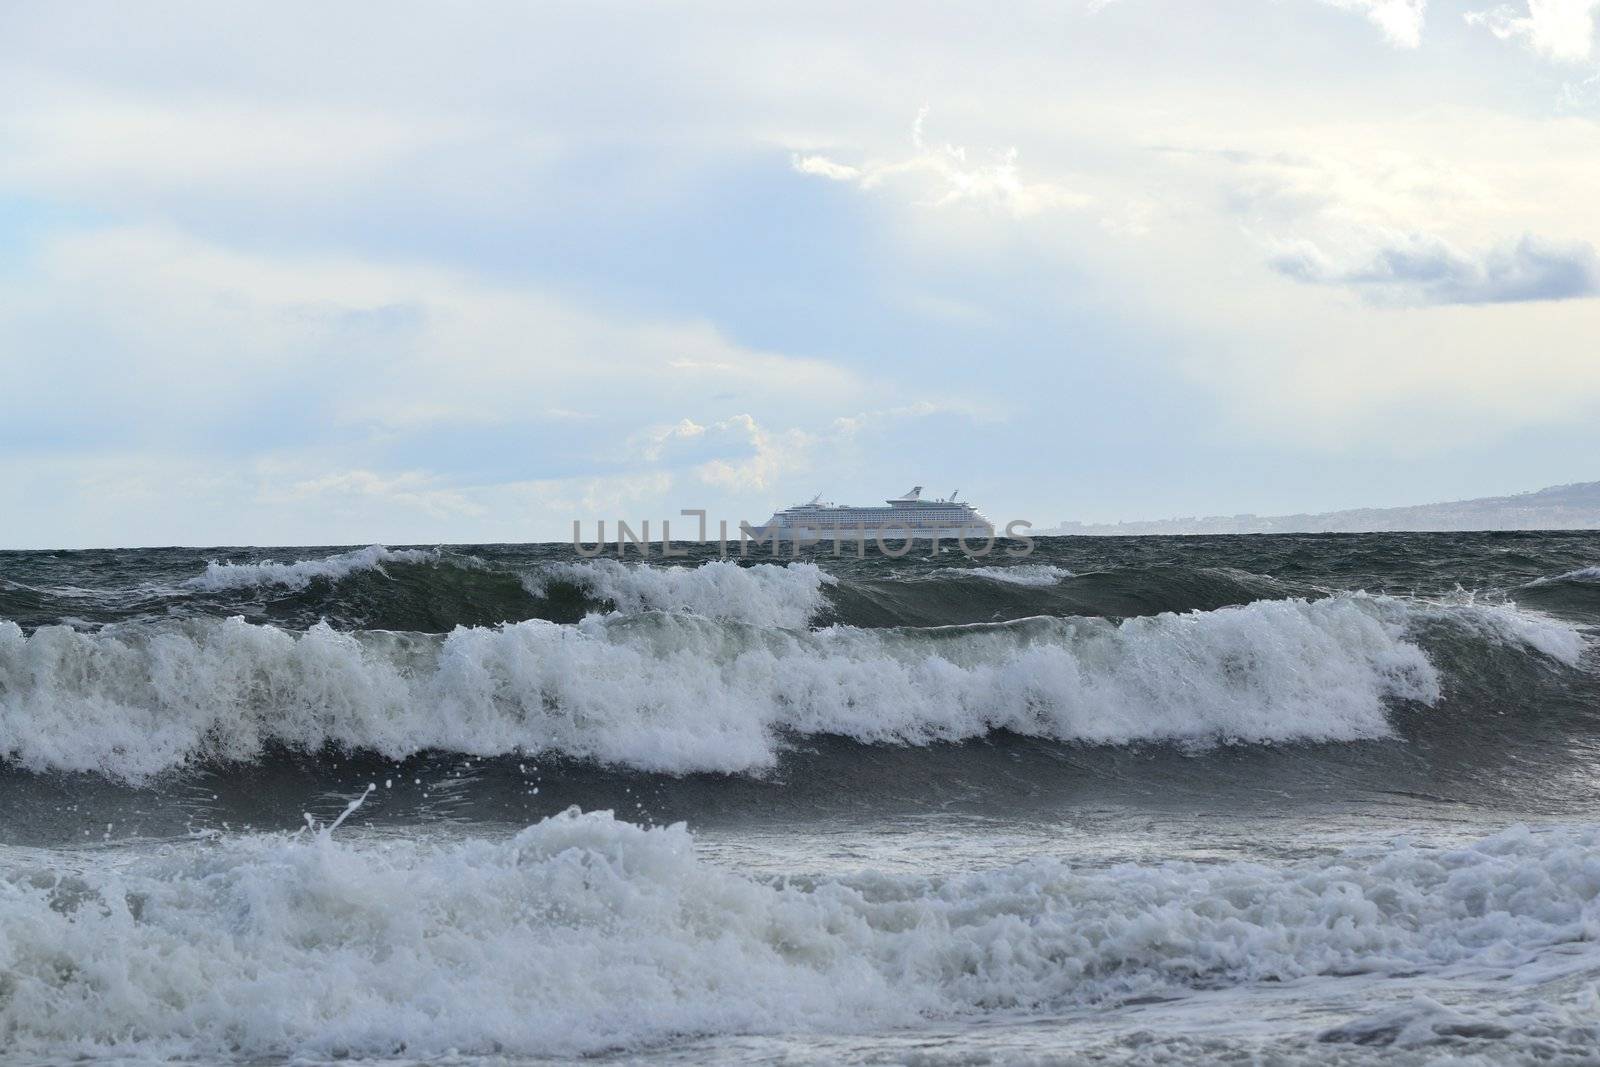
(317, 829)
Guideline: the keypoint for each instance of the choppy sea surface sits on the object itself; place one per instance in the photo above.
(1281, 799)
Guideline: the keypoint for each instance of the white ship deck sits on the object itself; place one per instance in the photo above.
(905, 517)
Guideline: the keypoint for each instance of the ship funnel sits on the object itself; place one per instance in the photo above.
(908, 496)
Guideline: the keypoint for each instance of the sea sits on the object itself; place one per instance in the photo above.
(1328, 799)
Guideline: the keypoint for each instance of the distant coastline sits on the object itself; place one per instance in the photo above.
(1561, 507)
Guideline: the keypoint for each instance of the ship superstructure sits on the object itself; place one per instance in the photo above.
(905, 516)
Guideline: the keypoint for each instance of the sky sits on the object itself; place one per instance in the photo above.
(423, 273)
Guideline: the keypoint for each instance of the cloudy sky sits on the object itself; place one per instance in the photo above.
(312, 273)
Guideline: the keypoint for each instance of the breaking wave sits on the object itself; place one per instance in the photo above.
(584, 934)
(221, 576)
(765, 594)
(675, 693)
(1021, 573)
(1582, 574)
(1574, 593)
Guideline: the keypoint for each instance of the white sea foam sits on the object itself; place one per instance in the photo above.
(222, 576)
(765, 594)
(1506, 624)
(1021, 573)
(584, 934)
(679, 693)
(1582, 574)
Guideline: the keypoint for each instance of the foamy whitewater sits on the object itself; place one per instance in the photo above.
(765, 594)
(1189, 800)
(659, 692)
(583, 933)
(300, 574)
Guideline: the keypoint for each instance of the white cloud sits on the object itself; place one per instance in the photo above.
(851, 425)
(773, 455)
(823, 167)
(1236, 191)
(939, 175)
(330, 377)
(656, 438)
(125, 498)
(203, 330)
(757, 458)
(1391, 205)
(1400, 20)
(116, 148)
(418, 489)
(1561, 30)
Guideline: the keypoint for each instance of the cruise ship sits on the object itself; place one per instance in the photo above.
(906, 516)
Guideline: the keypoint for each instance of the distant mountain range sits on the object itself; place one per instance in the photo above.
(1561, 507)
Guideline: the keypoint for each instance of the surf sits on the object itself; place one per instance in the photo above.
(681, 693)
(585, 934)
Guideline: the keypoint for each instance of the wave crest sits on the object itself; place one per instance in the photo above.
(295, 576)
(680, 694)
(1035, 574)
(1582, 574)
(764, 594)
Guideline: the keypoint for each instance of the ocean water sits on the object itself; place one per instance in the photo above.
(1294, 799)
